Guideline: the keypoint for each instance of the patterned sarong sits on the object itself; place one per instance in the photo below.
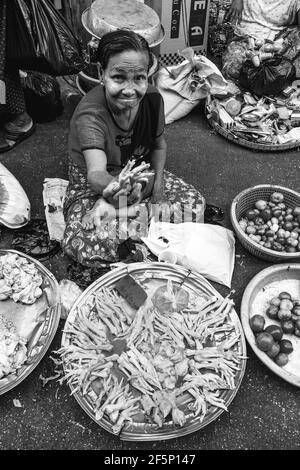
(97, 246)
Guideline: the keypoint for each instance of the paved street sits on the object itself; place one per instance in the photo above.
(265, 413)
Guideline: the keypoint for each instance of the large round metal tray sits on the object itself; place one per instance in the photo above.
(87, 28)
(194, 283)
(266, 284)
(37, 322)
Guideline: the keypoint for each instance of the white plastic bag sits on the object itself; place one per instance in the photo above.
(69, 292)
(205, 248)
(54, 193)
(14, 203)
(183, 86)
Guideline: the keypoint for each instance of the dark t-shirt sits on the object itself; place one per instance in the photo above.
(93, 127)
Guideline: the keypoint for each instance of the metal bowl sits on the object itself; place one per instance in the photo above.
(84, 21)
(158, 272)
(40, 320)
(266, 284)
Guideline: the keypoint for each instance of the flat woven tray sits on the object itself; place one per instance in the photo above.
(252, 145)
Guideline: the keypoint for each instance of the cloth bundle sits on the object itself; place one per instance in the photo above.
(183, 86)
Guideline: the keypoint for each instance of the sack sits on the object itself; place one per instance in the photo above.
(270, 78)
(183, 86)
(38, 38)
(14, 203)
(42, 96)
(205, 248)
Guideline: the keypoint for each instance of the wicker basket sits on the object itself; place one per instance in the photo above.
(267, 147)
(244, 201)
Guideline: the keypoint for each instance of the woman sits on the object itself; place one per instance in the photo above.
(262, 20)
(16, 124)
(118, 123)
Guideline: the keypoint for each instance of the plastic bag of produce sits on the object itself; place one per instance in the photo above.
(14, 203)
(205, 248)
(269, 78)
(183, 86)
(42, 96)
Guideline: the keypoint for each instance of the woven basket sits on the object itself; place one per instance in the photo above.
(244, 201)
(252, 145)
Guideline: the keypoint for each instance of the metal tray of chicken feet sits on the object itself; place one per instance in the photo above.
(29, 315)
(163, 370)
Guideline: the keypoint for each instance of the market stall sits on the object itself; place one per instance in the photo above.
(152, 350)
(92, 381)
(264, 405)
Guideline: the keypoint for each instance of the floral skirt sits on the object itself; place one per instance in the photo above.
(97, 246)
(235, 54)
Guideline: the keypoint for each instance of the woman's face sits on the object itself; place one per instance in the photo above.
(126, 80)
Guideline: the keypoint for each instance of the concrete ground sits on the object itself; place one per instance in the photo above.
(265, 413)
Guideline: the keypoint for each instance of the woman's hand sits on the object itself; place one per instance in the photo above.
(135, 195)
(235, 11)
(127, 188)
(158, 194)
(111, 189)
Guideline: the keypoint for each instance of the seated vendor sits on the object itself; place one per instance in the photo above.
(261, 20)
(116, 127)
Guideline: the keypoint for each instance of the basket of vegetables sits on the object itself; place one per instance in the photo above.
(266, 220)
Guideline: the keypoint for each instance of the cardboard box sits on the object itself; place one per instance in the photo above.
(186, 25)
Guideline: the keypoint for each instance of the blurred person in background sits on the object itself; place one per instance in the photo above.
(262, 20)
(15, 123)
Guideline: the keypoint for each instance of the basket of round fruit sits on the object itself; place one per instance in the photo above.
(266, 220)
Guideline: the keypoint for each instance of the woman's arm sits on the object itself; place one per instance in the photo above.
(158, 161)
(97, 174)
(103, 183)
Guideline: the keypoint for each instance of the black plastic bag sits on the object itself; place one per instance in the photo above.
(20, 44)
(42, 96)
(39, 39)
(270, 78)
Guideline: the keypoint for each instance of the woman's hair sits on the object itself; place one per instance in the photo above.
(119, 41)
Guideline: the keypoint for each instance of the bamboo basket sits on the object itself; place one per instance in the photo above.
(244, 201)
(252, 145)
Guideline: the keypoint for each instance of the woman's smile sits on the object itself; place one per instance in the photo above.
(126, 80)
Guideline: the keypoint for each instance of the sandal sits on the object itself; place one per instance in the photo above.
(213, 214)
(14, 138)
(33, 240)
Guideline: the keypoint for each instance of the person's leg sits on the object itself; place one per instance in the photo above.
(89, 247)
(18, 124)
(102, 211)
(186, 203)
(291, 46)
